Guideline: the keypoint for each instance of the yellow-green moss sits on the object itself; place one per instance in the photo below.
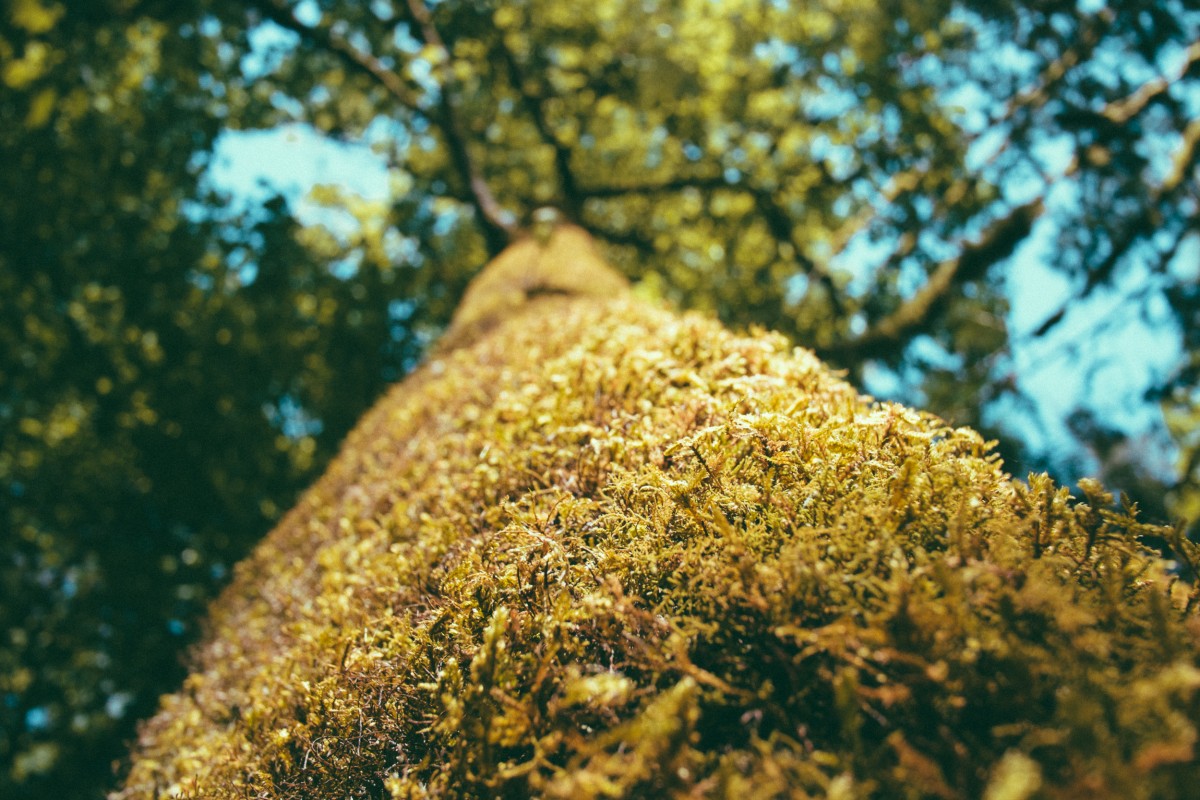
(597, 549)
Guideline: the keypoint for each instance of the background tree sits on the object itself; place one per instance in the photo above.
(854, 173)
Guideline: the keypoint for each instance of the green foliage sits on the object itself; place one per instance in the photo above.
(608, 551)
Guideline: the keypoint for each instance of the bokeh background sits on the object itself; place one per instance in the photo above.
(226, 227)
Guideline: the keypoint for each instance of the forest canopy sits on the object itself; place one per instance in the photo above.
(864, 176)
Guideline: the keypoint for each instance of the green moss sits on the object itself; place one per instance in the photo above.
(597, 549)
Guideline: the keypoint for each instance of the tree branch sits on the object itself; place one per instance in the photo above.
(1121, 111)
(571, 197)
(1118, 112)
(781, 227)
(1092, 30)
(673, 185)
(1184, 161)
(778, 221)
(917, 314)
(499, 225)
(281, 14)
(1032, 97)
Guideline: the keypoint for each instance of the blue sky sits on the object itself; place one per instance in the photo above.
(291, 160)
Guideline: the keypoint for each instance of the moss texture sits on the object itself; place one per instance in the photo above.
(596, 549)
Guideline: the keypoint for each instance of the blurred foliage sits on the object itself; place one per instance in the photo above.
(158, 409)
(173, 369)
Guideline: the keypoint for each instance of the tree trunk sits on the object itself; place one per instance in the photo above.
(594, 548)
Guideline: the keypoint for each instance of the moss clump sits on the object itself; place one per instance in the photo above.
(603, 550)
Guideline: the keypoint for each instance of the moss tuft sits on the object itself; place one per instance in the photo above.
(595, 549)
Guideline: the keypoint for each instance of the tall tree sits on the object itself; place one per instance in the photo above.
(854, 173)
(594, 549)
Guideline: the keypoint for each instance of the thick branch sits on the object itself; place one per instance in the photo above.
(498, 224)
(279, 13)
(917, 314)
(571, 197)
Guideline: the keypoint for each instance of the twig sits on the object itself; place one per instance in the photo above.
(781, 227)
(1121, 111)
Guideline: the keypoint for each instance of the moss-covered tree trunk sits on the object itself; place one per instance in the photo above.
(594, 548)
